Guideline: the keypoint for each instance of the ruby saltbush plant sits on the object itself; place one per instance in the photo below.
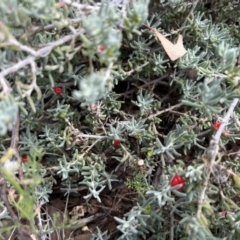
(95, 114)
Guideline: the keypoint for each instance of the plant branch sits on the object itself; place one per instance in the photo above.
(42, 52)
(211, 154)
(163, 111)
(78, 134)
(14, 144)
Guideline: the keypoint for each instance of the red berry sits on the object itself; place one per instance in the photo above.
(101, 48)
(116, 142)
(178, 180)
(217, 125)
(24, 158)
(58, 90)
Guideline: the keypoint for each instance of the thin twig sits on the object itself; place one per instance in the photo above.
(225, 120)
(14, 144)
(171, 225)
(211, 154)
(35, 29)
(85, 221)
(42, 52)
(164, 111)
(15, 133)
(78, 134)
(11, 236)
(137, 69)
(5, 86)
(23, 234)
(236, 120)
(79, 6)
(7, 204)
(155, 81)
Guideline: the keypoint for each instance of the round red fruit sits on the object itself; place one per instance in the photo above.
(178, 180)
(217, 125)
(116, 142)
(101, 49)
(58, 90)
(24, 158)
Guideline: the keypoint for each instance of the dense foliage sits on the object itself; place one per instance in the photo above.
(94, 112)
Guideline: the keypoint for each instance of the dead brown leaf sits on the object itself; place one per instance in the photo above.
(174, 51)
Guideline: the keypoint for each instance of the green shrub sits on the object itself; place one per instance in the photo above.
(91, 104)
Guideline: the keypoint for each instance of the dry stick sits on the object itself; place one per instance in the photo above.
(137, 69)
(43, 52)
(11, 236)
(163, 111)
(78, 134)
(53, 25)
(85, 221)
(166, 110)
(80, 6)
(171, 225)
(211, 154)
(236, 121)
(158, 80)
(7, 204)
(14, 143)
